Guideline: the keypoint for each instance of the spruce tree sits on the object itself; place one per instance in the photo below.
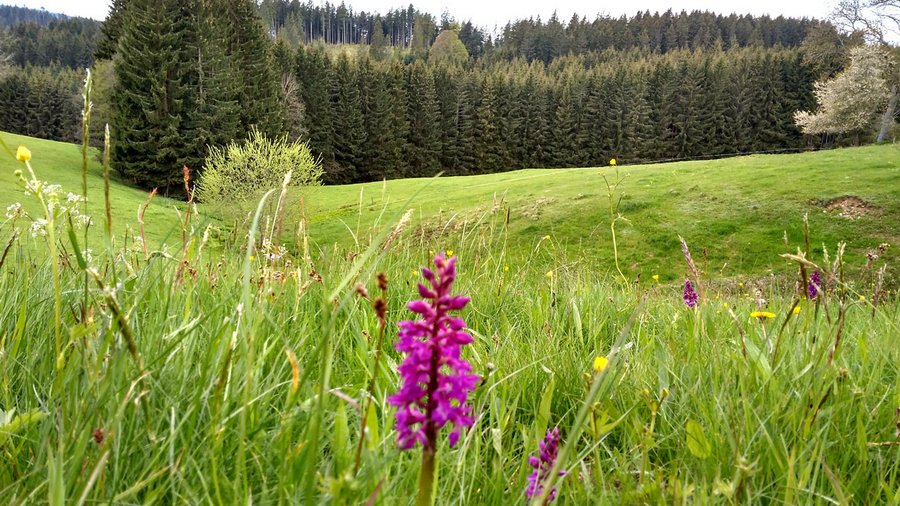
(246, 43)
(347, 124)
(111, 31)
(489, 155)
(157, 90)
(424, 142)
(386, 126)
(565, 128)
(314, 77)
(466, 129)
(447, 91)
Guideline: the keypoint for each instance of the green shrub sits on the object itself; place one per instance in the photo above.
(242, 170)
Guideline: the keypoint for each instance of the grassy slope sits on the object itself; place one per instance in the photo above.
(60, 163)
(737, 208)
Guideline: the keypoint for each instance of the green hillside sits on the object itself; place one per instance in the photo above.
(60, 163)
(738, 209)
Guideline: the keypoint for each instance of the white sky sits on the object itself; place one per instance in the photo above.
(487, 14)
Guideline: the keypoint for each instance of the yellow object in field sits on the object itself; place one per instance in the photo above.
(23, 154)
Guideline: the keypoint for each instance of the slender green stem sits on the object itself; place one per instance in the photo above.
(425, 496)
(371, 395)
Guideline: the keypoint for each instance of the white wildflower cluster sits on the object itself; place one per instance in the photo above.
(59, 205)
(38, 187)
(39, 228)
(88, 256)
(14, 210)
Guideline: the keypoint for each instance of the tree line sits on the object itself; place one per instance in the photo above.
(534, 39)
(11, 15)
(377, 120)
(658, 33)
(36, 37)
(41, 102)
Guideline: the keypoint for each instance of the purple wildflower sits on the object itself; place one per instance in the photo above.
(689, 295)
(436, 381)
(815, 285)
(542, 465)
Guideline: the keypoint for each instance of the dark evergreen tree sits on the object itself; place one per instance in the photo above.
(489, 150)
(347, 124)
(111, 30)
(314, 77)
(157, 89)
(565, 127)
(424, 141)
(246, 44)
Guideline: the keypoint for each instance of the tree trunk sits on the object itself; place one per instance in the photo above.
(887, 121)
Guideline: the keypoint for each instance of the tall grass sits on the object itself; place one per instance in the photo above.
(249, 376)
(244, 375)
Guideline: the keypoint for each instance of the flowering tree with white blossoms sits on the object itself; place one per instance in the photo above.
(853, 101)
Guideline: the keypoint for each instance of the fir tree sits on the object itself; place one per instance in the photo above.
(157, 90)
(111, 30)
(347, 126)
(246, 43)
(423, 115)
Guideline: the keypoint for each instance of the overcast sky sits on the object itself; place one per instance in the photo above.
(489, 14)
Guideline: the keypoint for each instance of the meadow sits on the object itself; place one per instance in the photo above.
(238, 365)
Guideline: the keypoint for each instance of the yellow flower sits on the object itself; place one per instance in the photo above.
(741, 285)
(601, 363)
(23, 154)
(415, 273)
(762, 314)
(505, 268)
(656, 277)
(449, 252)
(796, 309)
(546, 237)
(862, 298)
(726, 304)
(612, 162)
(549, 274)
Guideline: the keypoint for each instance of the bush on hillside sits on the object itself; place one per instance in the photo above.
(242, 170)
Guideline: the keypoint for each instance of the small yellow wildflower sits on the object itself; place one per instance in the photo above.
(415, 273)
(656, 277)
(612, 162)
(862, 298)
(546, 237)
(762, 314)
(549, 274)
(252, 257)
(726, 305)
(796, 309)
(449, 252)
(741, 284)
(23, 154)
(600, 363)
(505, 268)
